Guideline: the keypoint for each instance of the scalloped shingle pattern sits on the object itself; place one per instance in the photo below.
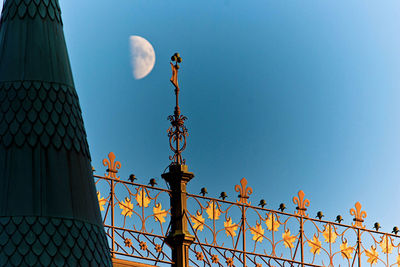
(44, 241)
(31, 8)
(42, 113)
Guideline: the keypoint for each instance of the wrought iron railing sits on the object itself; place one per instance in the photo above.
(239, 234)
(137, 219)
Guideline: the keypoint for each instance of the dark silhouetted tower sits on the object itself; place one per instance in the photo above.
(49, 213)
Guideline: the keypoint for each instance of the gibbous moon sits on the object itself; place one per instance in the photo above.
(143, 56)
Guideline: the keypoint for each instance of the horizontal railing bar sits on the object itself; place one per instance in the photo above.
(140, 257)
(134, 231)
(256, 254)
(130, 183)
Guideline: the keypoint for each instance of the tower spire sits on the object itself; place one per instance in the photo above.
(49, 214)
(177, 132)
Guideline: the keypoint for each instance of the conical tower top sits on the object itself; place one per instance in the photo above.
(49, 214)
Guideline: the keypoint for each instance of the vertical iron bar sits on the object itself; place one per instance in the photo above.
(301, 241)
(387, 250)
(112, 219)
(330, 246)
(358, 247)
(244, 235)
(273, 236)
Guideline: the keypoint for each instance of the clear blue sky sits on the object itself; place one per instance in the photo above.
(289, 94)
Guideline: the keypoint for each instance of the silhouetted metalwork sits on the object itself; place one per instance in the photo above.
(235, 233)
(135, 229)
(177, 132)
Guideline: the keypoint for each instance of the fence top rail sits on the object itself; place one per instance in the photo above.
(294, 215)
(132, 183)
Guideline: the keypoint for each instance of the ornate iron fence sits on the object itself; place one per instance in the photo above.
(135, 216)
(139, 222)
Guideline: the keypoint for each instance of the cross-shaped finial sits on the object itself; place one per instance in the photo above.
(177, 132)
(174, 79)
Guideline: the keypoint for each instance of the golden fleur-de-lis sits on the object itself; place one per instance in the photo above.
(358, 215)
(112, 166)
(243, 191)
(301, 203)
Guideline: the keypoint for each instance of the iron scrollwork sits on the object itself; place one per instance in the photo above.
(177, 132)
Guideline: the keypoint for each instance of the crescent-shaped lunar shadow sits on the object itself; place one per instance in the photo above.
(143, 56)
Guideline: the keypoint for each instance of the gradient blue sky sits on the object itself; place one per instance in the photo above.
(290, 94)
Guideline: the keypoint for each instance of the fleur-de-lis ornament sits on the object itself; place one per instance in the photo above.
(358, 215)
(112, 166)
(244, 192)
(301, 203)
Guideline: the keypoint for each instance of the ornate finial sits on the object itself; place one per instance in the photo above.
(174, 79)
(177, 132)
(244, 192)
(358, 215)
(112, 166)
(301, 204)
(339, 219)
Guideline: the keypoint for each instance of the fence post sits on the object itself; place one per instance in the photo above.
(179, 239)
(244, 234)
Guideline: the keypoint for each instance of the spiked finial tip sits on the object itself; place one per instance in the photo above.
(339, 219)
(282, 207)
(152, 182)
(203, 191)
(395, 230)
(223, 195)
(132, 178)
(262, 203)
(377, 226)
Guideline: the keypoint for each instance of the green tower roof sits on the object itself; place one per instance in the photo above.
(49, 214)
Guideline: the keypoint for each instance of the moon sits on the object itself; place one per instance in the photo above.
(143, 56)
